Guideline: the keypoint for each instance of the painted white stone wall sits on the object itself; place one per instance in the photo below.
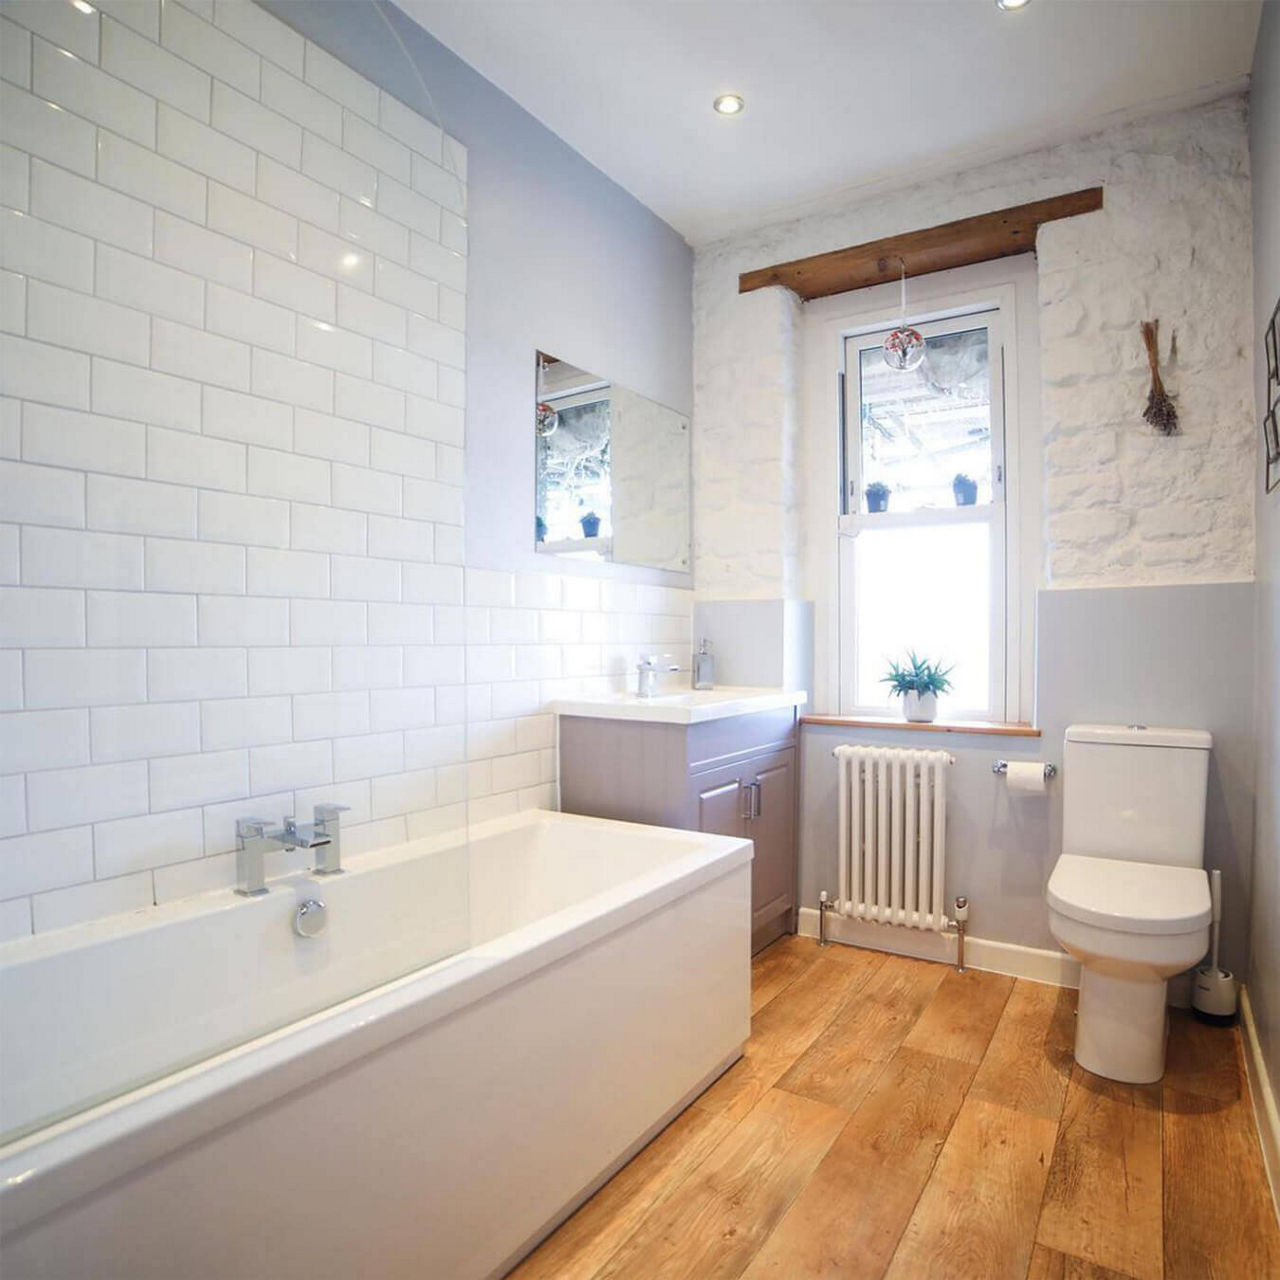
(230, 453)
(746, 456)
(649, 466)
(1122, 505)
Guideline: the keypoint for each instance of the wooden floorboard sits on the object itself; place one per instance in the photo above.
(1105, 1191)
(1203, 1059)
(777, 967)
(784, 1029)
(961, 1018)
(1219, 1222)
(847, 1222)
(1049, 1264)
(976, 1218)
(587, 1240)
(893, 1118)
(1028, 1063)
(729, 1205)
(840, 1064)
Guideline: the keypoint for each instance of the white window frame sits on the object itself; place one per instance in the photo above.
(1010, 287)
(992, 514)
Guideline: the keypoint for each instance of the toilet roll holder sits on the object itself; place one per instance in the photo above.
(1002, 766)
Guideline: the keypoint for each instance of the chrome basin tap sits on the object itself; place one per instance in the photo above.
(254, 842)
(647, 670)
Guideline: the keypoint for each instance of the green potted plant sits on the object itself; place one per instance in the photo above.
(877, 496)
(965, 489)
(918, 683)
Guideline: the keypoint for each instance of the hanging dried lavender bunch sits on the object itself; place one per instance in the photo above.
(1160, 411)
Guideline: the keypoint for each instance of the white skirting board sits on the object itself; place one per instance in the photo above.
(1055, 968)
(1264, 1099)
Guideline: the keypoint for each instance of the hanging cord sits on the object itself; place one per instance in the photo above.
(446, 155)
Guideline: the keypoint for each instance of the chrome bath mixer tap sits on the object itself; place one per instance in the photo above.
(254, 842)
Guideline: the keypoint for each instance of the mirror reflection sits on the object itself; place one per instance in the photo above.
(612, 471)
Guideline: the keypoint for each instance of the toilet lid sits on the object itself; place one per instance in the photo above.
(1132, 897)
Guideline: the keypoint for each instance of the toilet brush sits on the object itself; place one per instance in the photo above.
(1213, 989)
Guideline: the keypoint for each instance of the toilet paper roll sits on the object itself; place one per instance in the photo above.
(1026, 777)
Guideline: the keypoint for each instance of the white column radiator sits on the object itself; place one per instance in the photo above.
(893, 835)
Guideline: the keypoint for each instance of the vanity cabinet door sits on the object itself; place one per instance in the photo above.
(756, 798)
(720, 798)
(772, 826)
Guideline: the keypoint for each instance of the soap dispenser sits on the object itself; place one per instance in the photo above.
(704, 666)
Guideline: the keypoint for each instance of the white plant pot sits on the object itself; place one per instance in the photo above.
(920, 708)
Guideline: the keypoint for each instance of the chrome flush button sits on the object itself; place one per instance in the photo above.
(310, 918)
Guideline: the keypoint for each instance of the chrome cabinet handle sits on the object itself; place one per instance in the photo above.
(745, 807)
(757, 803)
(751, 800)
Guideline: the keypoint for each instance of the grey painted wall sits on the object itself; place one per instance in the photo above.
(561, 259)
(1264, 147)
(1178, 656)
(759, 642)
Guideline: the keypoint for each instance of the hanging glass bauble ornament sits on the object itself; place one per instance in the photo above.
(904, 347)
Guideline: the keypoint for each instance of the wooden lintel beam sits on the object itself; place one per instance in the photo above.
(953, 244)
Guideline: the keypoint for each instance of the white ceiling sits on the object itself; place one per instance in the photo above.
(840, 94)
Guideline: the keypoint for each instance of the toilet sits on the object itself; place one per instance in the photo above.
(1129, 897)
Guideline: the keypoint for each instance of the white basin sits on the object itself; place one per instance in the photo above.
(687, 706)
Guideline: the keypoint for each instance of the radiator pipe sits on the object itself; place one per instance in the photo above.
(962, 916)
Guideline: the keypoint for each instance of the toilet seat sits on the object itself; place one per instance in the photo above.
(1130, 897)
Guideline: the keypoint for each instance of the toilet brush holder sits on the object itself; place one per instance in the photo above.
(1214, 995)
(1214, 989)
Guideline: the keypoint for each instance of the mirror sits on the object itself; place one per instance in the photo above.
(612, 471)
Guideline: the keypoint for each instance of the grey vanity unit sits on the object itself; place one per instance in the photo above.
(723, 761)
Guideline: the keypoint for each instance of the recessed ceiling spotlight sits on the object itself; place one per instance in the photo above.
(730, 104)
(83, 6)
(1012, 4)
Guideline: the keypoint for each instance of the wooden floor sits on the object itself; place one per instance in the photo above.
(894, 1118)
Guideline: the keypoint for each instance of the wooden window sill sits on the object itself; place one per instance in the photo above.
(992, 728)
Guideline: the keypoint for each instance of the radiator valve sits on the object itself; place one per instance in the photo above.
(824, 905)
(962, 918)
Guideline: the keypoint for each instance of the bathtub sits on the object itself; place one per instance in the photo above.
(485, 1031)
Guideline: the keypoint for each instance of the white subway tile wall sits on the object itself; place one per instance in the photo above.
(231, 467)
(506, 644)
(199, 619)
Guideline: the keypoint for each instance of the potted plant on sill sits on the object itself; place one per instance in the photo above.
(590, 524)
(965, 489)
(918, 683)
(877, 496)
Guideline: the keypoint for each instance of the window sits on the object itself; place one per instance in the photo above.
(923, 566)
